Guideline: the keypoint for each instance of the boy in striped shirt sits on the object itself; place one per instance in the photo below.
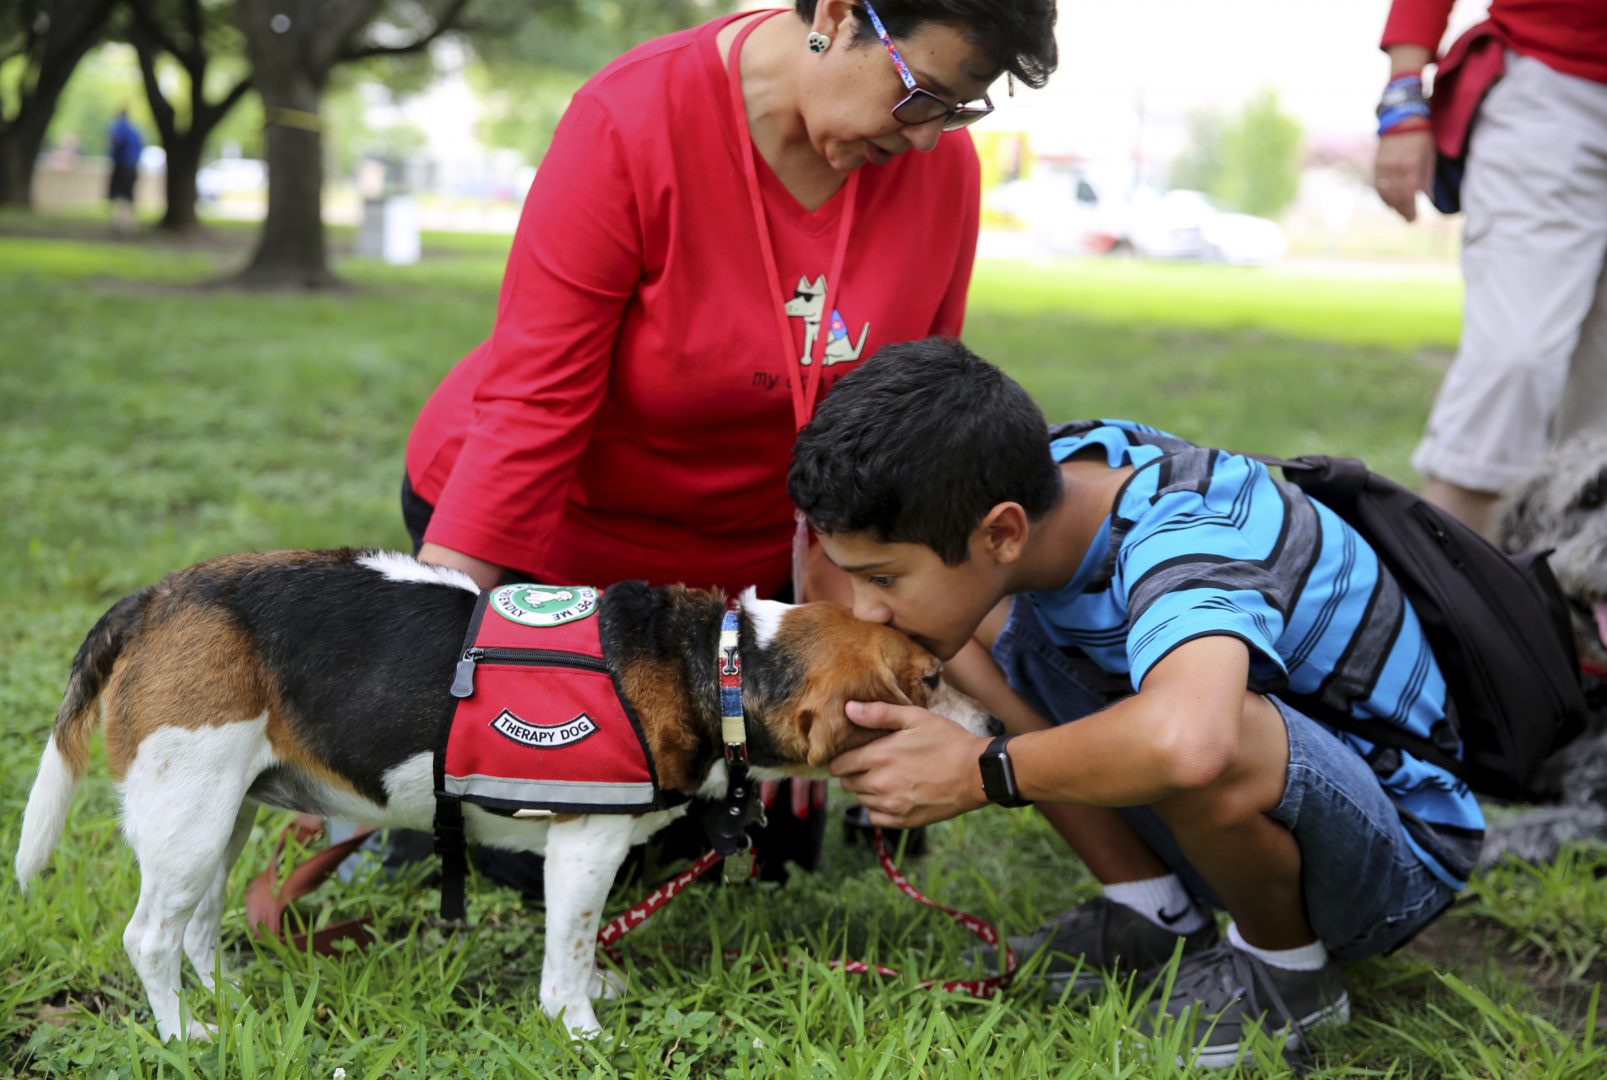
(1173, 605)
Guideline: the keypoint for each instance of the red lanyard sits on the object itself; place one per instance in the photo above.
(803, 397)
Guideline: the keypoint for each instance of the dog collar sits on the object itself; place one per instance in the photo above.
(733, 728)
(727, 831)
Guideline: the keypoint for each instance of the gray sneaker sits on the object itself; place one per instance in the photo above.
(1224, 990)
(1096, 937)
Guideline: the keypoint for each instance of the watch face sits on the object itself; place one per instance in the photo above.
(998, 774)
(997, 781)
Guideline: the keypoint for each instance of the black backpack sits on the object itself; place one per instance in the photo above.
(1498, 625)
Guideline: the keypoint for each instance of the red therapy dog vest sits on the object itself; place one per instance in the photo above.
(538, 723)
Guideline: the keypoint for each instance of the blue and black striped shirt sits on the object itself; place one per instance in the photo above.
(1203, 542)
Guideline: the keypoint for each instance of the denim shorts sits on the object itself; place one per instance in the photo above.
(1366, 891)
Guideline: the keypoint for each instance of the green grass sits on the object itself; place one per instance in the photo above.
(148, 420)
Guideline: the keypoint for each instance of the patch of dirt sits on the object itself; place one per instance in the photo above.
(1466, 946)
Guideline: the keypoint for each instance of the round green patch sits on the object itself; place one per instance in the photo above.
(544, 605)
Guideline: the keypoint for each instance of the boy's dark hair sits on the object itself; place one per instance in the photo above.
(1018, 35)
(918, 445)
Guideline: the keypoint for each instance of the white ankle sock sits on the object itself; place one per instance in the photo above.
(1313, 957)
(1162, 900)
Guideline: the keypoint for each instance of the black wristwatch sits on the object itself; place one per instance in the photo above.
(998, 775)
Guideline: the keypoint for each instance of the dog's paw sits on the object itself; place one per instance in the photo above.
(576, 1017)
(606, 985)
(194, 1031)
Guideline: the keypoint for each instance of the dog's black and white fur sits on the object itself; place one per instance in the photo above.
(316, 682)
(1563, 506)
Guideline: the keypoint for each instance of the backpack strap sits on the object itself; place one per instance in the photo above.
(1437, 560)
(1345, 478)
(1381, 733)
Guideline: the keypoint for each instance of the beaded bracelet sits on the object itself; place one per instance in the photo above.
(1402, 107)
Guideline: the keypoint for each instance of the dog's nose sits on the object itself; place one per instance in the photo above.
(994, 725)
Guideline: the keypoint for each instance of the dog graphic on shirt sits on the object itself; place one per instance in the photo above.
(808, 303)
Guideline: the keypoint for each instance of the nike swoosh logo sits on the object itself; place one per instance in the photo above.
(1170, 917)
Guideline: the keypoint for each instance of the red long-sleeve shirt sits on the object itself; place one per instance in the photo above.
(630, 415)
(1569, 36)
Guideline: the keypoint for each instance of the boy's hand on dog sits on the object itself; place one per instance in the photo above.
(924, 769)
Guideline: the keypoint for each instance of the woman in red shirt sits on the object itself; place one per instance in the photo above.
(728, 218)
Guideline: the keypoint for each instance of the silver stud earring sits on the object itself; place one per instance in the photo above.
(817, 41)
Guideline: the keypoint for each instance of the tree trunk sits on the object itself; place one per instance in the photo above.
(183, 162)
(290, 251)
(187, 145)
(19, 151)
(291, 56)
(72, 27)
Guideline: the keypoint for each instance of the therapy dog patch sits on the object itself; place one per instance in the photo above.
(527, 734)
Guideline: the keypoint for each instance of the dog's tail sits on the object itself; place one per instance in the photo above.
(67, 752)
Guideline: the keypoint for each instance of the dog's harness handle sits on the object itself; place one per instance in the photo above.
(266, 899)
(637, 914)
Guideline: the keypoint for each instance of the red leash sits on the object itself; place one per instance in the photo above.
(637, 914)
(267, 899)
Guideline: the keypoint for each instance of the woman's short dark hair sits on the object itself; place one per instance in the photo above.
(1019, 35)
(918, 444)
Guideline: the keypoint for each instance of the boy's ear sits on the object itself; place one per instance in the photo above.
(1004, 531)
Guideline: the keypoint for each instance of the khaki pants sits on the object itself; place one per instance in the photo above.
(1532, 367)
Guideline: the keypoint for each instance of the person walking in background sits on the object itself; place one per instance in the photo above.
(1532, 365)
(123, 146)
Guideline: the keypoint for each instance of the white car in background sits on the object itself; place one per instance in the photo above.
(1066, 213)
(231, 176)
(1184, 224)
(1062, 213)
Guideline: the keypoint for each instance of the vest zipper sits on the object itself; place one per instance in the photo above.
(463, 678)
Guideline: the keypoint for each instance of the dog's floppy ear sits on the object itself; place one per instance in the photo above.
(827, 731)
(891, 690)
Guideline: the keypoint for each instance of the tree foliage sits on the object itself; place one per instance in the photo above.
(294, 46)
(41, 43)
(1248, 162)
(108, 79)
(188, 35)
(579, 36)
(533, 56)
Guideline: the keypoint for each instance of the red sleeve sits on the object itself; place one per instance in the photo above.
(950, 318)
(1417, 22)
(575, 263)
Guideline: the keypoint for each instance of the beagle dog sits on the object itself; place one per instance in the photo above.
(316, 681)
